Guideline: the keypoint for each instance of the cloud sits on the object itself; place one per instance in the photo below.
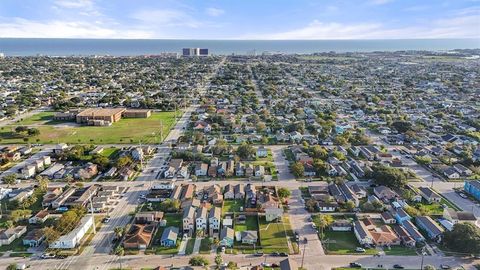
(453, 27)
(74, 3)
(214, 12)
(379, 2)
(23, 28)
(166, 17)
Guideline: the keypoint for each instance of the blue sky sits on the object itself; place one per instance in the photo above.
(240, 19)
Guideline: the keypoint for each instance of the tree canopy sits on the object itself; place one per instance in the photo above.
(464, 237)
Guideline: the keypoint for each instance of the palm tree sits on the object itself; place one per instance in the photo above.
(118, 232)
(323, 222)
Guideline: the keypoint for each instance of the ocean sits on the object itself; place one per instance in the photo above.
(132, 47)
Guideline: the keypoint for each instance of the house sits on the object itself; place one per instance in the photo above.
(28, 171)
(59, 148)
(33, 238)
(239, 169)
(413, 231)
(7, 236)
(433, 230)
(451, 173)
(214, 216)
(139, 236)
(249, 170)
(201, 219)
(462, 170)
(288, 264)
(384, 193)
(71, 239)
(250, 191)
(362, 233)
(387, 218)
(188, 220)
(148, 217)
(405, 237)
(429, 194)
(201, 169)
(400, 215)
(309, 170)
(239, 191)
(273, 213)
(341, 225)
(229, 192)
(249, 237)
(459, 216)
(212, 170)
(472, 188)
(259, 170)
(262, 152)
(227, 237)
(384, 236)
(40, 217)
(169, 237)
(359, 191)
(86, 172)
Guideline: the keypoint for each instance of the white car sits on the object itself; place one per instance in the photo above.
(314, 226)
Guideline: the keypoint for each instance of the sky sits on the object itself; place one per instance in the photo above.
(240, 19)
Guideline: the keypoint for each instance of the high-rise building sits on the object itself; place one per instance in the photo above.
(194, 52)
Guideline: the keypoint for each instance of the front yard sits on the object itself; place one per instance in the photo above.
(342, 243)
(174, 220)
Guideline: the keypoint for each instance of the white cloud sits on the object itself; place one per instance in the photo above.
(22, 28)
(214, 12)
(379, 2)
(165, 17)
(74, 3)
(453, 27)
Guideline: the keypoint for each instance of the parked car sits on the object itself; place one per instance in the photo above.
(355, 265)
(444, 266)
(106, 220)
(47, 256)
(314, 226)
(283, 254)
(275, 254)
(360, 249)
(398, 266)
(258, 254)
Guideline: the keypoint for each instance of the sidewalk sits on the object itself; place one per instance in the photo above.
(196, 247)
(183, 246)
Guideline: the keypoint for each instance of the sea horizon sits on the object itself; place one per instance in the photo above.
(138, 47)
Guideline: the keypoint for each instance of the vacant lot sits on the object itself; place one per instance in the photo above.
(232, 206)
(273, 236)
(127, 130)
(342, 243)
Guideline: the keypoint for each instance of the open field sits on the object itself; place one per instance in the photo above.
(273, 236)
(127, 130)
(341, 243)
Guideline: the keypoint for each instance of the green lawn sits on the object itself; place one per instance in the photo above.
(190, 245)
(109, 152)
(273, 236)
(400, 251)
(205, 246)
(342, 243)
(250, 225)
(174, 220)
(232, 206)
(127, 130)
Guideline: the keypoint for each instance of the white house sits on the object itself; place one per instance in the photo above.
(214, 221)
(28, 171)
(262, 152)
(71, 239)
(201, 218)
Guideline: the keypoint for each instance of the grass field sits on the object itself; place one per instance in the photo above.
(232, 206)
(190, 245)
(273, 236)
(127, 130)
(342, 243)
(250, 225)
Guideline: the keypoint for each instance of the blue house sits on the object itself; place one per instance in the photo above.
(226, 237)
(473, 188)
(169, 237)
(400, 215)
(413, 231)
(433, 230)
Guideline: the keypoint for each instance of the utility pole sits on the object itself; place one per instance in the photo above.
(303, 253)
(421, 265)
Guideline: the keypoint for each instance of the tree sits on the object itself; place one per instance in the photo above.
(429, 267)
(465, 237)
(284, 193)
(10, 179)
(42, 182)
(298, 169)
(119, 251)
(423, 160)
(311, 204)
(12, 266)
(218, 260)
(101, 161)
(198, 261)
(124, 161)
(232, 266)
(402, 126)
(323, 221)
(50, 234)
(245, 151)
(349, 205)
(119, 231)
(388, 176)
(33, 132)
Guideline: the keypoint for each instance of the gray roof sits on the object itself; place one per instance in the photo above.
(170, 233)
